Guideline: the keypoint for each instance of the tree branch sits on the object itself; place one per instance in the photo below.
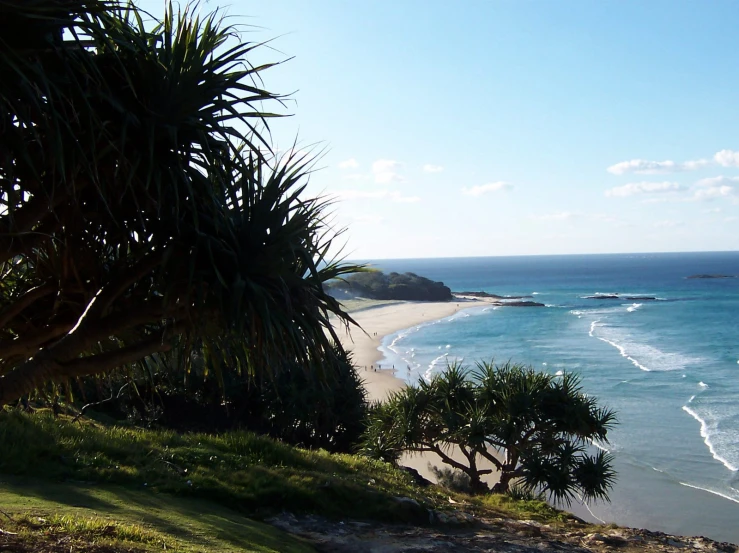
(11, 311)
(44, 367)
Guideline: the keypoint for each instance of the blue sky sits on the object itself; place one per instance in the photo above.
(474, 128)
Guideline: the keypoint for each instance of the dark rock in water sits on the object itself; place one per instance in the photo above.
(603, 297)
(519, 304)
(712, 276)
(489, 295)
(640, 298)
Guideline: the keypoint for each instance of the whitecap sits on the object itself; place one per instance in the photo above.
(691, 399)
(714, 492)
(448, 346)
(534, 293)
(633, 307)
(702, 384)
(559, 373)
(706, 429)
(622, 350)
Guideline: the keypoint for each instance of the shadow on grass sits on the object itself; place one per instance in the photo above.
(200, 524)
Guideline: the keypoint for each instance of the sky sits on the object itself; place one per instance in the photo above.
(481, 128)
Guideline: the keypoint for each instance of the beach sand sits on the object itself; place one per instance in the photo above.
(379, 321)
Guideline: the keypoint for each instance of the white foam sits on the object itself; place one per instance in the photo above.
(622, 350)
(559, 373)
(706, 435)
(714, 492)
(448, 346)
(534, 293)
(592, 328)
(691, 399)
(633, 307)
(599, 446)
(702, 384)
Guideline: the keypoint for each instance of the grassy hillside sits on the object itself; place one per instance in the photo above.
(144, 490)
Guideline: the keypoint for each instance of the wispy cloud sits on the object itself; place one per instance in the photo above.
(667, 224)
(634, 188)
(558, 216)
(387, 171)
(428, 168)
(388, 195)
(487, 188)
(355, 177)
(727, 158)
(714, 192)
(645, 167)
(718, 181)
(349, 164)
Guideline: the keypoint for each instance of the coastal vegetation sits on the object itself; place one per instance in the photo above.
(144, 219)
(535, 429)
(393, 286)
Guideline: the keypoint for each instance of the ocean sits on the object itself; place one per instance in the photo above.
(669, 366)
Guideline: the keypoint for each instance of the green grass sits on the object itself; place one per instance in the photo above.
(195, 492)
(133, 519)
(252, 474)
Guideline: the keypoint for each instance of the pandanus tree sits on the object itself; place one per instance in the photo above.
(138, 208)
(534, 428)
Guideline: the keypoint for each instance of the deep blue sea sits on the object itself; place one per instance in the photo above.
(669, 367)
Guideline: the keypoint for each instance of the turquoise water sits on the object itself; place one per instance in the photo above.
(668, 366)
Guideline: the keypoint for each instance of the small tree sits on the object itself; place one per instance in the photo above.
(534, 428)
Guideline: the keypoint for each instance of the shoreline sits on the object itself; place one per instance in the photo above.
(385, 319)
(380, 320)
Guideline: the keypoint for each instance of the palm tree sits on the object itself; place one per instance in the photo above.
(138, 208)
(534, 428)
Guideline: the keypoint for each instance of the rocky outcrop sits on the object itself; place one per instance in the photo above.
(712, 276)
(488, 295)
(462, 532)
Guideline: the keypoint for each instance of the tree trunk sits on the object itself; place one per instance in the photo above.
(504, 483)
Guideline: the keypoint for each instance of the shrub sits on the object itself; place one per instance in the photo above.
(535, 429)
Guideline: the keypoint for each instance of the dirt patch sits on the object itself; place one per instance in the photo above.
(484, 535)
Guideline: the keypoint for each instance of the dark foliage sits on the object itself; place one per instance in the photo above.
(140, 210)
(534, 428)
(319, 405)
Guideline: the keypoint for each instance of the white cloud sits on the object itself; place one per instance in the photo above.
(349, 164)
(644, 167)
(634, 188)
(667, 224)
(727, 158)
(393, 196)
(731, 219)
(485, 188)
(718, 181)
(428, 168)
(713, 210)
(355, 177)
(560, 216)
(713, 192)
(387, 171)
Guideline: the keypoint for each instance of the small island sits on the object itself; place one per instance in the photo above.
(377, 285)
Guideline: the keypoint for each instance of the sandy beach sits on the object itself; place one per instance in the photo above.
(386, 319)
